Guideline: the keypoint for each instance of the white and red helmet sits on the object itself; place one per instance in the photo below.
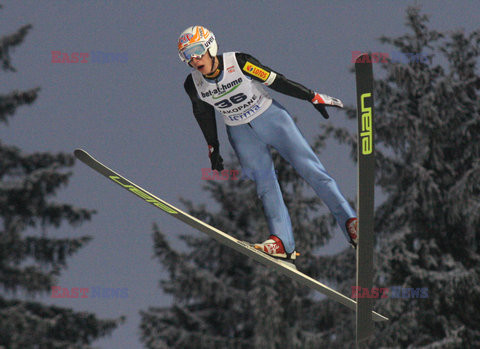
(195, 41)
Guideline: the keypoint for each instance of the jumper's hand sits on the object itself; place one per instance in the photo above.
(320, 101)
(215, 158)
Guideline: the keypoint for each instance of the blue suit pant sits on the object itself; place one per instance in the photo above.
(276, 128)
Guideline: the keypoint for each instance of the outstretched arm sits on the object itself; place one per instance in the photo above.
(278, 82)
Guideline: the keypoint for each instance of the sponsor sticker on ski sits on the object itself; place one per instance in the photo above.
(145, 196)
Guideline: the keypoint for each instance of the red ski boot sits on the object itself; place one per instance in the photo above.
(352, 231)
(274, 247)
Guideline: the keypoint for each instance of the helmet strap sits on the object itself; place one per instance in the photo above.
(215, 72)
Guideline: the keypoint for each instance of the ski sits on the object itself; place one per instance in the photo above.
(225, 239)
(365, 194)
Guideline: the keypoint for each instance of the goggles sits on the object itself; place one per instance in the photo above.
(193, 51)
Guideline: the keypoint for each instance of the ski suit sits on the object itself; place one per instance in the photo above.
(255, 122)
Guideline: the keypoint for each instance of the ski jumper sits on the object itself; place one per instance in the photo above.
(255, 122)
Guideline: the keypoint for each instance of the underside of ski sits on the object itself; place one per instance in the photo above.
(365, 195)
(225, 239)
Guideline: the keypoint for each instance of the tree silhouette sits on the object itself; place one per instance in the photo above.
(427, 229)
(30, 258)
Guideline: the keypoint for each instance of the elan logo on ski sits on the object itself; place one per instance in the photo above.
(366, 132)
(142, 193)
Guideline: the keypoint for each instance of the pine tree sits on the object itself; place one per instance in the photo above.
(430, 222)
(428, 151)
(30, 258)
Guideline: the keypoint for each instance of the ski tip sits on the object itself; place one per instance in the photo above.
(361, 58)
(78, 153)
(81, 154)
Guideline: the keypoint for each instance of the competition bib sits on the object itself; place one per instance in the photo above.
(238, 98)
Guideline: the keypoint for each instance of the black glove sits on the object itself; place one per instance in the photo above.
(320, 101)
(215, 158)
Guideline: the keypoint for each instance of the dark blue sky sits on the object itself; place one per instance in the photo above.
(135, 116)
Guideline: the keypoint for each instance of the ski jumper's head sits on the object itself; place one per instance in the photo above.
(198, 48)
